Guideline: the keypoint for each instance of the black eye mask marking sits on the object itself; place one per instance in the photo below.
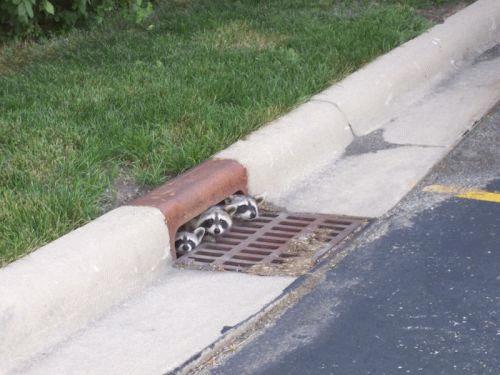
(224, 224)
(241, 209)
(207, 223)
(178, 243)
(191, 244)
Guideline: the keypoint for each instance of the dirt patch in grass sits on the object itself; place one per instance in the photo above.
(125, 188)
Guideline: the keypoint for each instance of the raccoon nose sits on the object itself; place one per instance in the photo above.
(216, 230)
(185, 247)
(253, 215)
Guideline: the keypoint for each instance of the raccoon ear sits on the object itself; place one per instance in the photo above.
(231, 209)
(259, 198)
(229, 199)
(199, 232)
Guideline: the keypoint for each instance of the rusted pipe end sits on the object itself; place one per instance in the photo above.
(189, 194)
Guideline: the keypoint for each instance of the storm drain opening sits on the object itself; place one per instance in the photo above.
(276, 243)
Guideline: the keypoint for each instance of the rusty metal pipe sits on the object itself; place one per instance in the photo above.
(189, 194)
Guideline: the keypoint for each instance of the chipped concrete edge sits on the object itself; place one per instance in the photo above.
(66, 284)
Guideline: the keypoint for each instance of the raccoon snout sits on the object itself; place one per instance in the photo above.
(216, 231)
(185, 247)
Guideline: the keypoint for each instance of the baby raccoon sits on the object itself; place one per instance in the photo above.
(245, 206)
(216, 220)
(186, 241)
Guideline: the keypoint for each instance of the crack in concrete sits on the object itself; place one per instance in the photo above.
(371, 142)
(338, 109)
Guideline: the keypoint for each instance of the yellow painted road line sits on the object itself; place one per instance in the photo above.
(480, 195)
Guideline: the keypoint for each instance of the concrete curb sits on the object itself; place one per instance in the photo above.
(315, 132)
(100, 264)
(415, 65)
(286, 149)
(64, 285)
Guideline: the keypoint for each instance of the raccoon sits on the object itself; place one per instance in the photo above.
(216, 220)
(186, 241)
(245, 206)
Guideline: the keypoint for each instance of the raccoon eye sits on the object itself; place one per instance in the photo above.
(191, 244)
(224, 224)
(208, 223)
(241, 209)
(178, 243)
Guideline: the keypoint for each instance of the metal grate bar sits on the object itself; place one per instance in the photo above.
(266, 240)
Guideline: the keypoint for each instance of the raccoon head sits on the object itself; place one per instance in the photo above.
(187, 241)
(245, 206)
(216, 220)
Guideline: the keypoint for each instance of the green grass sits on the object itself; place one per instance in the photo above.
(122, 103)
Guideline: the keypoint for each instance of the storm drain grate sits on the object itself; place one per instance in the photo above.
(274, 240)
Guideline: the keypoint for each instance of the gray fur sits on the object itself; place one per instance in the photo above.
(216, 220)
(246, 207)
(186, 240)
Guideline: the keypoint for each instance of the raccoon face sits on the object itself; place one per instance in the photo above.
(245, 206)
(187, 241)
(216, 220)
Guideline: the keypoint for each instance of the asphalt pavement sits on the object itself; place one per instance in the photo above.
(419, 292)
